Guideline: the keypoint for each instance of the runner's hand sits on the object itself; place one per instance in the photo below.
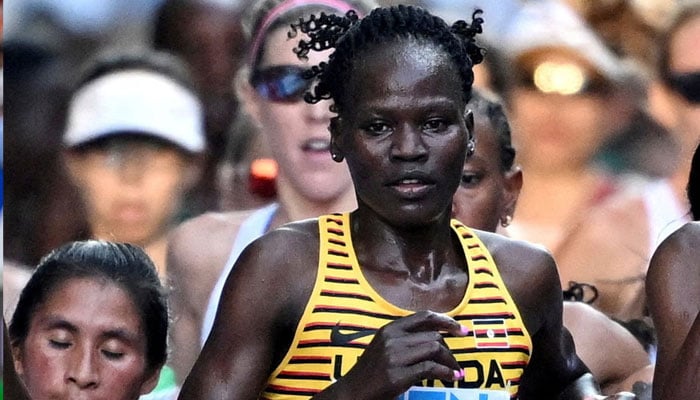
(403, 353)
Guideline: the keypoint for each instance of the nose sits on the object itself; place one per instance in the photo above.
(132, 172)
(130, 165)
(319, 112)
(407, 144)
(82, 370)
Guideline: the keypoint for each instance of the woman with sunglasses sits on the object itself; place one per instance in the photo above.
(673, 288)
(308, 183)
(621, 234)
(675, 97)
(566, 98)
(393, 296)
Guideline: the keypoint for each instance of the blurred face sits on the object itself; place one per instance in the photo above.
(403, 131)
(685, 58)
(85, 342)
(212, 44)
(556, 131)
(131, 188)
(297, 132)
(486, 192)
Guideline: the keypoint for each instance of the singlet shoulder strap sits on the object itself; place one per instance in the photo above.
(252, 228)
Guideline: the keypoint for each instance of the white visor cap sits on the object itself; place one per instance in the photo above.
(139, 102)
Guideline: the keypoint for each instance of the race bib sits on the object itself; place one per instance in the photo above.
(428, 393)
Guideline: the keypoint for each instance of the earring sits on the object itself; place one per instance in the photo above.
(506, 220)
(471, 147)
(336, 157)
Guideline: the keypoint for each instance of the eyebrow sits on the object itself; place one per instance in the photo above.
(54, 322)
(120, 334)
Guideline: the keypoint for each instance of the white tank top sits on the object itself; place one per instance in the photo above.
(252, 228)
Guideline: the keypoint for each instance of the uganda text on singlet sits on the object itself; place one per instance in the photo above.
(344, 312)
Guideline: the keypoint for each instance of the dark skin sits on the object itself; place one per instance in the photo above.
(404, 133)
(673, 290)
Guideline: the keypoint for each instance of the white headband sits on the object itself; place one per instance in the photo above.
(136, 101)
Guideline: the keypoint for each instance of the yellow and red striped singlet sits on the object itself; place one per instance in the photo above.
(344, 312)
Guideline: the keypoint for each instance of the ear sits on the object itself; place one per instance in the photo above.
(469, 121)
(17, 360)
(249, 99)
(193, 172)
(72, 162)
(336, 144)
(513, 182)
(151, 380)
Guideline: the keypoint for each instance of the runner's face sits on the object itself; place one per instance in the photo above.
(403, 131)
(297, 132)
(85, 342)
(480, 200)
(131, 188)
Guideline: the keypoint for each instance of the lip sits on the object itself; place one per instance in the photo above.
(317, 146)
(130, 213)
(412, 185)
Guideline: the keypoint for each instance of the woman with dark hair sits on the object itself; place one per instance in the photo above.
(92, 323)
(394, 296)
(673, 288)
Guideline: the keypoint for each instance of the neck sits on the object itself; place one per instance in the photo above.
(154, 246)
(157, 250)
(295, 207)
(552, 198)
(418, 252)
(679, 177)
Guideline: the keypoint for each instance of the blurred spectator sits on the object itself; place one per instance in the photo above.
(133, 138)
(207, 35)
(44, 44)
(675, 95)
(567, 95)
(39, 213)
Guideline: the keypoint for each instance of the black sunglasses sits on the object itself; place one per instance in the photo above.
(686, 84)
(281, 83)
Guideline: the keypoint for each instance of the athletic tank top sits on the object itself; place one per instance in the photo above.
(344, 312)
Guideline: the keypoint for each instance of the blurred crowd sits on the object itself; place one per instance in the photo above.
(124, 119)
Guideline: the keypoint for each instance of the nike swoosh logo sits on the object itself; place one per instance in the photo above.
(339, 338)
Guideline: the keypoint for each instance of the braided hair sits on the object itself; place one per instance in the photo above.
(487, 105)
(350, 35)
